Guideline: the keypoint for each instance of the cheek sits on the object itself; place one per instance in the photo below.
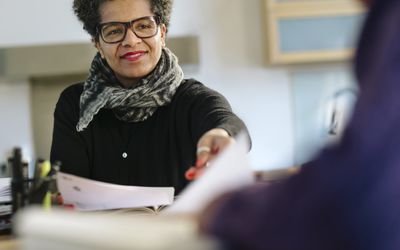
(158, 46)
(157, 54)
(110, 54)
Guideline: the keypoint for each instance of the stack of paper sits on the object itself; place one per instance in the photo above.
(5, 190)
(89, 195)
(69, 230)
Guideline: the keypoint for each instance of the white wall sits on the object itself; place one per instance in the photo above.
(37, 22)
(232, 49)
(15, 126)
(231, 40)
(323, 101)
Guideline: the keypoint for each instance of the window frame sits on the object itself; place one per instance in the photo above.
(281, 10)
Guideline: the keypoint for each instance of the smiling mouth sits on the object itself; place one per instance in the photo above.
(133, 56)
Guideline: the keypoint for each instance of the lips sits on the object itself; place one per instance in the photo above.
(133, 56)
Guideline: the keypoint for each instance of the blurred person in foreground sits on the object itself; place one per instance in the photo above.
(136, 120)
(349, 196)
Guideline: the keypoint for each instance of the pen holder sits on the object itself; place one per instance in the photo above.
(44, 186)
(26, 191)
(37, 190)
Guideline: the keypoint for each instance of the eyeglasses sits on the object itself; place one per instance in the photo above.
(115, 32)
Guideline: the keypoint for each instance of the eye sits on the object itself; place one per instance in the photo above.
(113, 30)
(143, 26)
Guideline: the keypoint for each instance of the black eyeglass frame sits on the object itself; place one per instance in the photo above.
(128, 25)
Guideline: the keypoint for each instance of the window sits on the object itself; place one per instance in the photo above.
(301, 31)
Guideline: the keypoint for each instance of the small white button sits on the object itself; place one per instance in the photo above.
(124, 155)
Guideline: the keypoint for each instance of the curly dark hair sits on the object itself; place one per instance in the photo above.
(87, 12)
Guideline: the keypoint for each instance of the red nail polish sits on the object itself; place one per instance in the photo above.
(189, 175)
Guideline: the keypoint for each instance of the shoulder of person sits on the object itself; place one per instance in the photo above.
(193, 88)
(75, 89)
(71, 94)
(72, 91)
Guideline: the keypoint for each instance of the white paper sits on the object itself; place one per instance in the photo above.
(87, 195)
(229, 171)
(67, 230)
(5, 190)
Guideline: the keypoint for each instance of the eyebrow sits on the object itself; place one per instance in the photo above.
(133, 20)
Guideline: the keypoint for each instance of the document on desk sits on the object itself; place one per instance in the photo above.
(5, 190)
(229, 171)
(90, 195)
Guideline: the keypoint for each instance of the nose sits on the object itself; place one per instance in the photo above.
(130, 38)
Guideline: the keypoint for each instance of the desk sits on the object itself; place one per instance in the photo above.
(8, 243)
(68, 230)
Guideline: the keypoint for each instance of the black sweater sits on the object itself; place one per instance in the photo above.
(160, 149)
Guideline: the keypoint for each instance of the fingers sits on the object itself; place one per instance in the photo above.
(194, 172)
(210, 144)
(190, 174)
(203, 149)
(208, 147)
(203, 155)
(213, 147)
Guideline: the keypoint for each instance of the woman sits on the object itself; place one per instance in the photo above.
(348, 197)
(136, 120)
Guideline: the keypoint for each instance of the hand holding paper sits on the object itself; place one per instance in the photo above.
(230, 170)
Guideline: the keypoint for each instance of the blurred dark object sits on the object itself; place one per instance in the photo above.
(4, 170)
(17, 181)
(275, 175)
(27, 191)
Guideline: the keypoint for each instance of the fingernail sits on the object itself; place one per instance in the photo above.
(190, 174)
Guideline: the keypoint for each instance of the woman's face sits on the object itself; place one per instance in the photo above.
(134, 57)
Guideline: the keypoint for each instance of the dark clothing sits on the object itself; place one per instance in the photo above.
(349, 196)
(160, 149)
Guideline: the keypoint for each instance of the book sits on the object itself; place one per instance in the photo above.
(155, 210)
(89, 195)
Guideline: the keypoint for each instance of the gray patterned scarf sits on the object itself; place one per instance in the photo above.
(101, 90)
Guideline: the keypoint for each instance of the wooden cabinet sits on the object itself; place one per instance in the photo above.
(300, 31)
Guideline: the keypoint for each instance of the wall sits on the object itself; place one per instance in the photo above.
(38, 22)
(231, 47)
(232, 55)
(323, 101)
(15, 118)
